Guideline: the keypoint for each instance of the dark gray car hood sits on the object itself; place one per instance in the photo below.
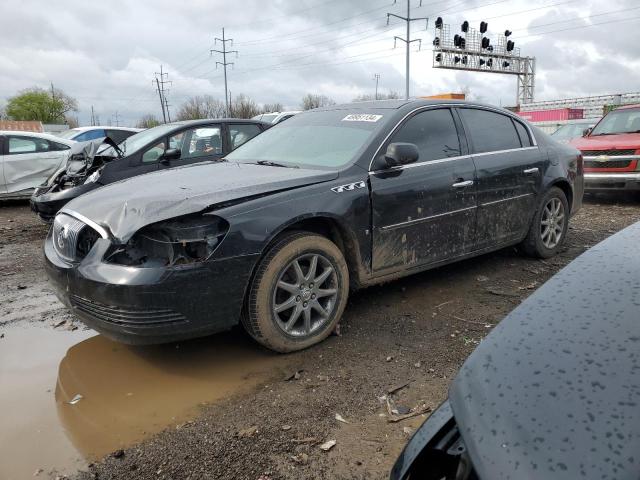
(125, 207)
(554, 391)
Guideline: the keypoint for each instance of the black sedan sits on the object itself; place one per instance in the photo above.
(158, 148)
(553, 391)
(330, 200)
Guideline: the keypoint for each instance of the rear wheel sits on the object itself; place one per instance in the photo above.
(298, 293)
(548, 230)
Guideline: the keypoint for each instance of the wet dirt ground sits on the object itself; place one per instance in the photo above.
(222, 407)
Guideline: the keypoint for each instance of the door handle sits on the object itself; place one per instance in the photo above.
(464, 184)
(531, 171)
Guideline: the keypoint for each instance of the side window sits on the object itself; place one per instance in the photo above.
(525, 140)
(56, 147)
(90, 135)
(242, 133)
(433, 132)
(490, 131)
(153, 154)
(19, 145)
(200, 142)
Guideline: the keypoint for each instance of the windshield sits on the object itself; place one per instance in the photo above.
(139, 140)
(325, 139)
(619, 121)
(69, 134)
(567, 132)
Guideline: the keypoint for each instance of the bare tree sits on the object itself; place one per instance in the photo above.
(148, 121)
(201, 106)
(311, 100)
(243, 107)
(381, 96)
(272, 107)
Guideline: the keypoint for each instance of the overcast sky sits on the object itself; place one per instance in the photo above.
(105, 53)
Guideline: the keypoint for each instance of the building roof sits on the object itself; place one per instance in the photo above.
(21, 126)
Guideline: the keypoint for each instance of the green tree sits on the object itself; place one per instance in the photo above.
(39, 104)
(148, 121)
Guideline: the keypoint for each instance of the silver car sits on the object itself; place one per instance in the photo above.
(27, 159)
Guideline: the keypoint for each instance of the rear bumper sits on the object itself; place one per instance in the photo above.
(612, 181)
(150, 305)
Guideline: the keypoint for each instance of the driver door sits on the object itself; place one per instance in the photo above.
(424, 212)
(196, 144)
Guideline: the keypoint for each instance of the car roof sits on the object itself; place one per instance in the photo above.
(46, 136)
(396, 104)
(627, 107)
(207, 121)
(103, 127)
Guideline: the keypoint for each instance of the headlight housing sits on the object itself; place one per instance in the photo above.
(179, 241)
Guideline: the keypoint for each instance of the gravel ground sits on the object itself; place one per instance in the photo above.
(414, 331)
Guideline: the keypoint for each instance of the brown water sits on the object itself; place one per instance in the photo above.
(128, 393)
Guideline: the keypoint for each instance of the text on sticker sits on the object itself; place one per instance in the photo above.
(361, 117)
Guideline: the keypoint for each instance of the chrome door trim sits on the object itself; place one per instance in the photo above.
(418, 164)
(424, 219)
(463, 184)
(508, 150)
(506, 199)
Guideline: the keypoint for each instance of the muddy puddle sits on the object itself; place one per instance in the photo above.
(127, 393)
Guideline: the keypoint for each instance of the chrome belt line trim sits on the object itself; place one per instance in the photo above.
(506, 199)
(425, 219)
(484, 154)
(419, 164)
(610, 158)
(103, 233)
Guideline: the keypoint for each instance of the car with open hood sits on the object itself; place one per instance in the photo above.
(552, 392)
(159, 148)
(333, 199)
(611, 151)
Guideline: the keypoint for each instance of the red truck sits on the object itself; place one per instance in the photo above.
(611, 151)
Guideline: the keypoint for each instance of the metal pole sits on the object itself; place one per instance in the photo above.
(377, 77)
(164, 116)
(408, 43)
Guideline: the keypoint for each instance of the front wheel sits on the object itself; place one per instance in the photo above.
(550, 224)
(298, 293)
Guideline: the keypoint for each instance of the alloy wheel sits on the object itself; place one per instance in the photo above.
(552, 223)
(305, 295)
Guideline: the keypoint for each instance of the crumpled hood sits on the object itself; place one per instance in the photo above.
(623, 141)
(125, 207)
(554, 392)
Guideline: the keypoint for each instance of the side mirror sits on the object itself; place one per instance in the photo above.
(586, 131)
(401, 154)
(171, 154)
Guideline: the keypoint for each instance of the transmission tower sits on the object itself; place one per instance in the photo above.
(408, 40)
(224, 63)
(162, 92)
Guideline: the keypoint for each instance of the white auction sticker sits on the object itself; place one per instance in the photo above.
(361, 117)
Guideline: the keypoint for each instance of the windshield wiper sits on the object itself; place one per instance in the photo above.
(269, 163)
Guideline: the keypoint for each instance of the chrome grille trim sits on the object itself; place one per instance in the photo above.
(66, 230)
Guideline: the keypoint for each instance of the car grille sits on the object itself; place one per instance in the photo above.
(130, 317)
(607, 164)
(66, 230)
(608, 153)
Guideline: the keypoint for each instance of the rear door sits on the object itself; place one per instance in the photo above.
(424, 212)
(240, 133)
(509, 175)
(28, 161)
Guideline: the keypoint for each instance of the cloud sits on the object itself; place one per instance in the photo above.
(105, 53)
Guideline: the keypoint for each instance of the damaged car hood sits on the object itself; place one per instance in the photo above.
(554, 391)
(125, 207)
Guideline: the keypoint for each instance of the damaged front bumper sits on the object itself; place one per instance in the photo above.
(46, 203)
(150, 305)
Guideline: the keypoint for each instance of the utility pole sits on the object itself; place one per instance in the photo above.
(224, 63)
(376, 77)
(163, 93)
(93, 117)
(408, 40)
(166, 106)
(117, 119)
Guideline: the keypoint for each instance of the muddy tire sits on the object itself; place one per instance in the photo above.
(298, 293)
(550, 225)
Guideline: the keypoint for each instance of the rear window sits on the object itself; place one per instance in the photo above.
(489, 131)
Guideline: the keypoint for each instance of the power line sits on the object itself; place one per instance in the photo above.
(224, 64)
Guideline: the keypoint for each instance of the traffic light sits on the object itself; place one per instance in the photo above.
(483, 27)
(439, 22)
(510, 46)
(465, 26)
(436, 42)
(485, 42)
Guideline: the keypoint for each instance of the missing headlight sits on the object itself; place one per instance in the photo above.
(179, 241)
